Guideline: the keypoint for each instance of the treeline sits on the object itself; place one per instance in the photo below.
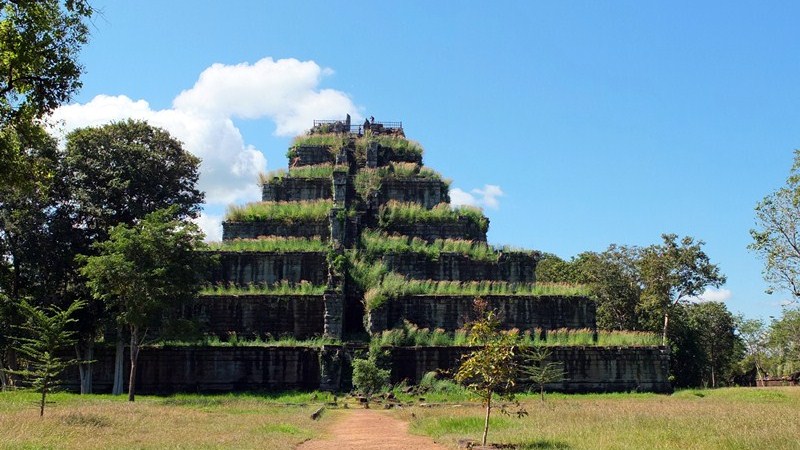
(657, 289)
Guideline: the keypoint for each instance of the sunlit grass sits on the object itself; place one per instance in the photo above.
(185, 421)
(287, 212)
(283, 287)
(400, 213)
(733, 418)
(272, 244)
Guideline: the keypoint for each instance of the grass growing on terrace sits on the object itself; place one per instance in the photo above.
(333, 141)
(402, 148)
(273, 244)
(377, 243)
(282, 288)
(381, 285)
(287, 212)
(410, 334)
(233, 340)
(368, 181)
(400, 213)
(306, 172)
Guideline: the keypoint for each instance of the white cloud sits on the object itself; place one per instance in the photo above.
(483, 198)
(712, 295)
(285, 91)
(211, 226)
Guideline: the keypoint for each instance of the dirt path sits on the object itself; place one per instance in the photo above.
(367, 429)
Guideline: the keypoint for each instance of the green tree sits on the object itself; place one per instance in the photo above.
(614, 282)
(39, 45)
(120, 172)
(776, 239)
(753, 335)
(784, 339)
(143, 270)
(714, 327)
(673, 272)
(47, 336)
(117, 174)
(539, 369)
(368, 377)
(492, 368)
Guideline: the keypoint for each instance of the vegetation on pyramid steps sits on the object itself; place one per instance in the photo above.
(377, 243)
(272, 244)
(282, 288)
(394, 285)
(234, 340)
(368, 181)
(402, 149)
(286, 212)
(305, 172)
(400, 213)
(333, 141)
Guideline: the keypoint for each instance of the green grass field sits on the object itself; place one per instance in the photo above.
(735, 418)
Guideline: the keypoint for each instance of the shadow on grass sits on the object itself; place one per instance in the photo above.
(544, 445)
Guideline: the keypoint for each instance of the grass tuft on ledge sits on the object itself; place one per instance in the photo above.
(274, 244)
(402, 213)
(377, 243)
(287, 212)
(410, 335)
(282, 288)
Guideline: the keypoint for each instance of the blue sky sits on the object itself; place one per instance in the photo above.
(599, 122)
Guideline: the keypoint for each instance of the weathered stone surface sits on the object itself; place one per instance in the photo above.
(289, 189)
(312, 155)
(588, 369)
(252, 230)
(424, 191)
(300, 316)
(334, 314)
(457, 229)
(452, 312)
(210, 369)
(242, 268)
(511, 267)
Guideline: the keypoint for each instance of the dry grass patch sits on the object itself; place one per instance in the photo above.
(102, 422)
(735, 418)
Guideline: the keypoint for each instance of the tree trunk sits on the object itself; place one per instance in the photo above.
(541, 390)
(119, 359)
(44, 395)
(134, 358)
(85, 368)
(666, 324)
(488, 412)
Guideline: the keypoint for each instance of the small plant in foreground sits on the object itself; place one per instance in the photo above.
(492, 369)
(368, 378)
(47, 337)
(538, 368)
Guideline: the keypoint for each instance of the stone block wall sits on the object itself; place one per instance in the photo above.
(244, 268)
(289, 189)
(225, 369)
(452, 312)
(459, 229)
(252, 230)
(209, 369)
(511, 267)
(423, 191)
(301, 316)
(312, 155)
(588, 369)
